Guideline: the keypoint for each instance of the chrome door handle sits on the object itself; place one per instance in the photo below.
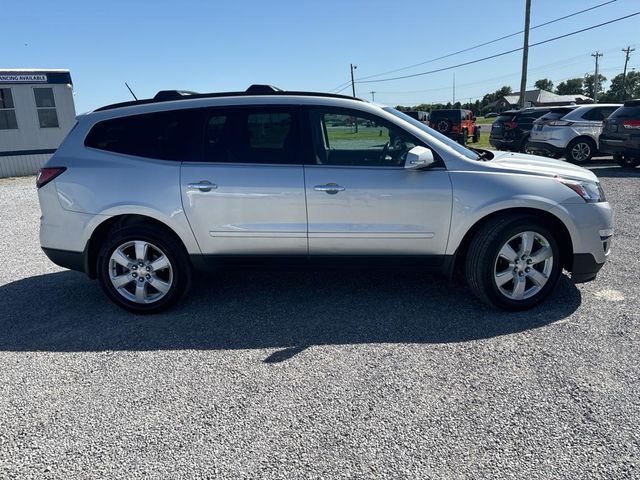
(203, 186)
(330, 188)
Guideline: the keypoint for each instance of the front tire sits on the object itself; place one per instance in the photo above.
(143, 269)
(464, 138)
(580, 150)
(512, 263)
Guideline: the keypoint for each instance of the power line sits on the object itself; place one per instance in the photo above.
(471, 62)
(489, 42)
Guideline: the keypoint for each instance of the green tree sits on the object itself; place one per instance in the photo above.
(544, 84)
(573, 86)
(632, 88)
(588, 84)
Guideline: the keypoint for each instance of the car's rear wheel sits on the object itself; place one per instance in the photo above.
(143, 269)
(580, 150)
(476, 135)
(625, 161)
(464, 138)
(513, 263)
(523, 145)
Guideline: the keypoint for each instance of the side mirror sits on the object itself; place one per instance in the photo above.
(419, 157)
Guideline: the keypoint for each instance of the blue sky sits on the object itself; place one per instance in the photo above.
(304, 45)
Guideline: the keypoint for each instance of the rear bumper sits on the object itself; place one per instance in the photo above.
(544, 148)
(585, 268)
(614, 146)
(67, 259)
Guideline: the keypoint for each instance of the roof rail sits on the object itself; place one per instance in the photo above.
(257, 90)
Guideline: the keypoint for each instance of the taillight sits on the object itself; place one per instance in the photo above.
(45, 175)
(510, 125)
(631, 123)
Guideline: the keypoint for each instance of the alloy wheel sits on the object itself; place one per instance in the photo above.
(581, 151)
(140, 272)
(523, 265)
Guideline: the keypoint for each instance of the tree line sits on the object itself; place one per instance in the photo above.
(620, 89)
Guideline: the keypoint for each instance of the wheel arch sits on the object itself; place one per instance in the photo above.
(550, 220)
(100, 233)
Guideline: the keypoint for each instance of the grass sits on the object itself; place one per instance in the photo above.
(485, 121)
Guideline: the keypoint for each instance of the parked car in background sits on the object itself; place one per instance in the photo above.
(142, 193)
(490, 115)
(418, 115)
(457, 124)
(573, 135)
(621, 134)
(510, 131)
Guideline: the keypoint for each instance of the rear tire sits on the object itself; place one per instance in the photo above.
(476, 135)
(625, 161)
(143, 269)
(513, 263)
(464, 138)
(580, 150)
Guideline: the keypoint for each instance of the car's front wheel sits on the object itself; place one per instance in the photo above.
(513, 263)
(143, 269)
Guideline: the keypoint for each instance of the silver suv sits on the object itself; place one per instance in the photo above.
(573, 134)
(142, 193)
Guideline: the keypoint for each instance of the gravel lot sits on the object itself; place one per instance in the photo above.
(318, 374)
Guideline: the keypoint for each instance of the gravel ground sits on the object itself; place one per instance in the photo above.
(317, 375)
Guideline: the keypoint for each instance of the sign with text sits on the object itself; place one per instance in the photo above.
(23, 78)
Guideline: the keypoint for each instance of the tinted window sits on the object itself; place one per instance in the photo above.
(7, 112)
(352, 138)
(174, 135)
(598, 114)
(554, 115)
(627, 112)
(46, 107)
(252, 135)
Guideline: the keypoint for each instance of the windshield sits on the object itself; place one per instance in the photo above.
(470, 154)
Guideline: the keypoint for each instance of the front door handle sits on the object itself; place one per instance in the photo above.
(203, 186)
(330, 188)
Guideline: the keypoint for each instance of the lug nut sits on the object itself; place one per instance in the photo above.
(147, 276)
(529, 261)
(527, 269)
(140, 265)
(135, 267)
(134, 274)
(148, 268)
(141, 279)
(520, 274)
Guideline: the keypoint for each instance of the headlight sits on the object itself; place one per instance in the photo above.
(591, 192)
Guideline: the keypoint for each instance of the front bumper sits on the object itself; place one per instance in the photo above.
(585, 268)
(67, 259)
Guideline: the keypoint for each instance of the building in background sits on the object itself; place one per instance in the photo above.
(36, 113)
(536, 98)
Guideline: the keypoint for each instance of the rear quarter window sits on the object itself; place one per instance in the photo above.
(627, 112)
(173, 135)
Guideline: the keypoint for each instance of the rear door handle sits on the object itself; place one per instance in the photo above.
(202, 185)
(330, 188)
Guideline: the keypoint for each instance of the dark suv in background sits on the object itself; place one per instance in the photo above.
(621, 134)
(512, 128)
(459, 125)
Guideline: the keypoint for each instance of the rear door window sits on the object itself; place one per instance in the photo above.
(173, 135)
(265, 135)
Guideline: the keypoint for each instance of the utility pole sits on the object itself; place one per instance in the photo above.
(454, 89)
(353, 84)
(596, 78)
(373, 95)
(525, 53)
(627, 52)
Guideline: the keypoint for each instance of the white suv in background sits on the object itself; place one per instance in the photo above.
(141, 193)
(573, 136)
